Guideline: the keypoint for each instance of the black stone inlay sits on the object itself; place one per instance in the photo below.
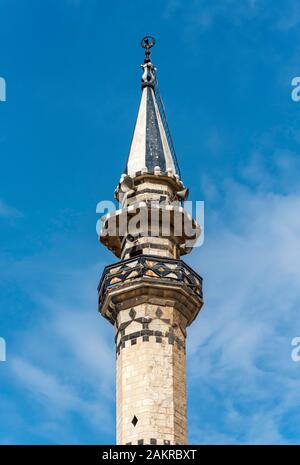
(153, 441)
(171, 339)
(132, 313)
(143, 320)
(145, 333)
(134, 335)
(148, 332)
(140, 442)
(134, 420)
(154, 148)
(158, 312)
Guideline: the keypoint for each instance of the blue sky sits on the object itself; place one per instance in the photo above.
(73, 88)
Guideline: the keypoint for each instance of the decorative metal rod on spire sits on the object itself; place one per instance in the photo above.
(148, 78)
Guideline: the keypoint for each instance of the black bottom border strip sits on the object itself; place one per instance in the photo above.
(103, 454)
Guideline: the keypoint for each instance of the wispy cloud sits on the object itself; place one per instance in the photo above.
(240, 363)
(7, 211)
(46, 387)
(64, 364)
(289, 17)
(241, 375)
(201, 15)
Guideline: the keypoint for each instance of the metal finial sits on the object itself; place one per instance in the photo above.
(148, 77)
(147, 43)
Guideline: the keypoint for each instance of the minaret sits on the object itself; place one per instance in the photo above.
(150, 295)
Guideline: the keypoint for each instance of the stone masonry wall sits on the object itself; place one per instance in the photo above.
(151, 376)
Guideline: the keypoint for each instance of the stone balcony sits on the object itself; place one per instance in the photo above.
(144, 277)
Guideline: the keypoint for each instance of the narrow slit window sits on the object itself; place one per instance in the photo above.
(134, 420)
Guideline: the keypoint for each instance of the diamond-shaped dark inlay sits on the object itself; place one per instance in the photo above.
(132, 313)
(134, 421)
(161, 269)
(158, 312)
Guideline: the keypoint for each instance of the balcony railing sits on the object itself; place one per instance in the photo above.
(148, 266)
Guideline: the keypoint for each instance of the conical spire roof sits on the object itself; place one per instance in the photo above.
(151, 144)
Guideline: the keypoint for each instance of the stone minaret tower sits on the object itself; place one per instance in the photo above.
(150, 295)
